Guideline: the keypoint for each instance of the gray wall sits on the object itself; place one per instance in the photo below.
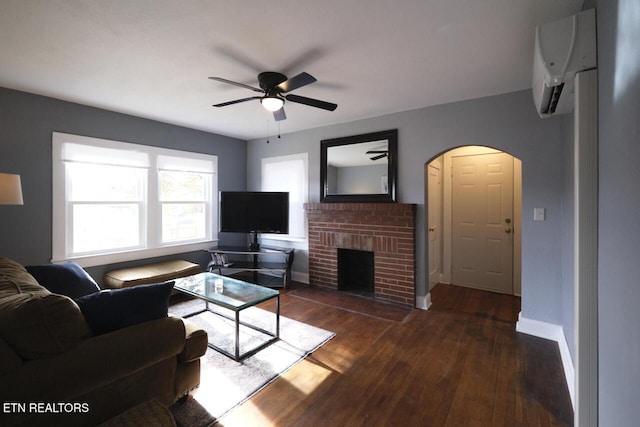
(332, 179)
(361, 179)
(619, 207)
(506, 122)
(26, 124)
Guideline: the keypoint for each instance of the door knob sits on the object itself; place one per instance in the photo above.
(431, 229)
(507, 230)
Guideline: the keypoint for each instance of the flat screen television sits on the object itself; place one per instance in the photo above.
(254, 212)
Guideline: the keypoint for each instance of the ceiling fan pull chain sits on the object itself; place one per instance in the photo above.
(267, 131)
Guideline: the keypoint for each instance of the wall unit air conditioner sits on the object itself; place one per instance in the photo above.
(562, 49)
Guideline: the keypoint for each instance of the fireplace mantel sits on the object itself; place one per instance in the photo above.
(386, 229)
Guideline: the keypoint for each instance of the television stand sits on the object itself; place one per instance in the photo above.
(270, 267)
(255, 246)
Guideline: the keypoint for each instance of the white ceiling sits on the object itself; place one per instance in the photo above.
(356, 154)
(151, 58)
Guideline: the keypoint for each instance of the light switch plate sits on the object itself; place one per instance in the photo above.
(538, 214)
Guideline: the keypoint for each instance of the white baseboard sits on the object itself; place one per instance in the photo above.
(555, 333)
(423, 302)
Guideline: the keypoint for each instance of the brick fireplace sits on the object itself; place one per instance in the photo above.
(386, 229)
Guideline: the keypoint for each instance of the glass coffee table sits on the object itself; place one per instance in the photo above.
(235, 295)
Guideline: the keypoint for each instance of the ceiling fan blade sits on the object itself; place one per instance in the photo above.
(220, 79)
(376, 151)
(296, 82)
(379, 156)
(311, 102)
(237, 101)
(241, 58)
(301, 62)
(279, 115)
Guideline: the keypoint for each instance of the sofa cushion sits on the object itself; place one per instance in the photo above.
(33, 321)
(114, 309)
(14, 279)
(66, 279)
(9, 359)
(38, 325)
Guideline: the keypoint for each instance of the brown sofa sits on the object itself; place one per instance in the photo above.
(54, 371)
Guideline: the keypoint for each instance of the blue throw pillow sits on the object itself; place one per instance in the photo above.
(65, 279)
(110, 310)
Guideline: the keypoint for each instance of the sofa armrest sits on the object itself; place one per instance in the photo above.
(196, 343)
(95, 362)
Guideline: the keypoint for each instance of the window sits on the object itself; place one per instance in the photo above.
(112, 198)
(105, 204)
(289, 173)
(184, 196)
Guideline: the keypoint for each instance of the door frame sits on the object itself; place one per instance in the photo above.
(446, 207)
(436, 164)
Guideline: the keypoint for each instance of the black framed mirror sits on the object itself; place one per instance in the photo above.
(359, 168)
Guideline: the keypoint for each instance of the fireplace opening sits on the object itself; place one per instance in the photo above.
(356, 271)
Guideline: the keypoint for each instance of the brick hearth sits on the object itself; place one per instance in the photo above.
(386, 229)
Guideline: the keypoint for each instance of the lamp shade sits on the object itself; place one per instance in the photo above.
(272, 103)
(10, 189)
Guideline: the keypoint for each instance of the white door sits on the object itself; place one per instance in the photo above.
(482, 222)
(434, 223)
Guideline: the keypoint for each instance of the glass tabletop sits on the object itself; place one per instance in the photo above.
(234, 294)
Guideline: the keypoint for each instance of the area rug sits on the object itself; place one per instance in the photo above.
(224, 383)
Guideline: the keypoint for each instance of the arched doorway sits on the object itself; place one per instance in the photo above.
(473, 216)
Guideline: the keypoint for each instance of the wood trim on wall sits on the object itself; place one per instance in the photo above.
(586, 247)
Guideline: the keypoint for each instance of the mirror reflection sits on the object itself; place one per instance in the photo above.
(358, 168)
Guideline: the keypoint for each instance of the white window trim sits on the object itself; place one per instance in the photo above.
(59, 204)
(299, 242)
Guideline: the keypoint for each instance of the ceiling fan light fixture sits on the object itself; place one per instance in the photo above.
(273, 85)
(272, 103)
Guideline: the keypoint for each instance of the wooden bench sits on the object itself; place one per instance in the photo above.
(150, 273)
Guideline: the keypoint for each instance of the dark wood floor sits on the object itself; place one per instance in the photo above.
(459, 364)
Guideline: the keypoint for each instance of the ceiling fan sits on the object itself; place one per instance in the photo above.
(274, 85)
(381, 154)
